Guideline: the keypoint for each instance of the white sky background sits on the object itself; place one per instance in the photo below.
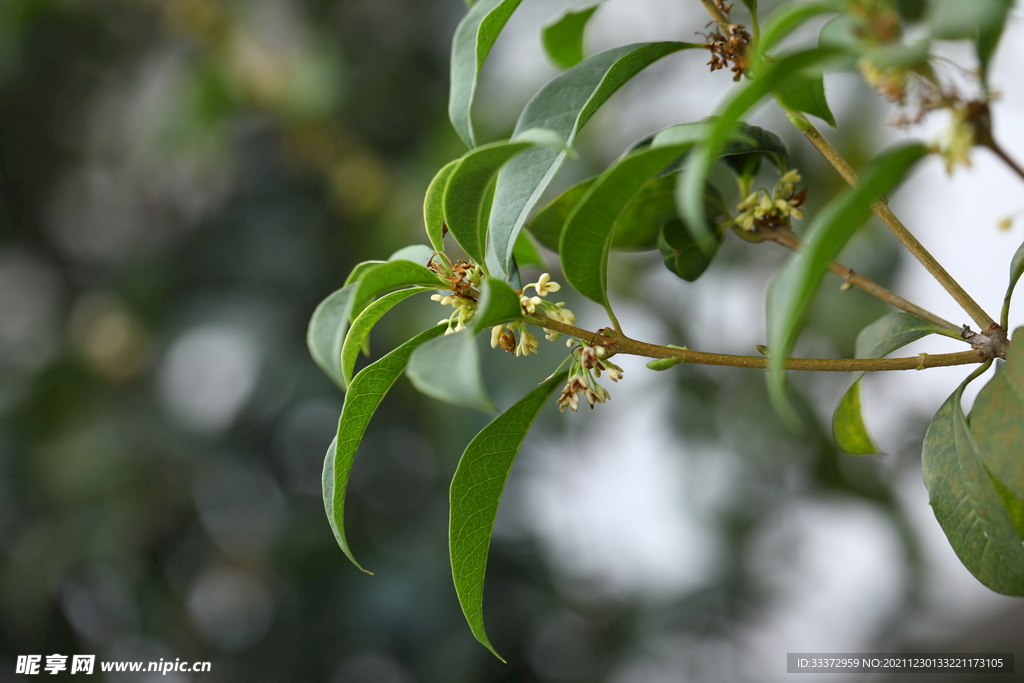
(616, 506)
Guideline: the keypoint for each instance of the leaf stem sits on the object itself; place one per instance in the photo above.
(1001, 153)
(625, 345)
(882, 210)
(787, 238)
(717, 15)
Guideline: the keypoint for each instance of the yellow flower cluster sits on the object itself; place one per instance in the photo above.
(774, 209)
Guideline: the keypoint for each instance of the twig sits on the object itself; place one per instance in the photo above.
(882, 210)
(999, 152)
(621, 344)
(787, 238)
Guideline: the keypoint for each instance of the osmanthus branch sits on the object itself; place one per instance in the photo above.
(787, 238)
(717, 15)
(882, 210)
(618, 343)
(991, 144)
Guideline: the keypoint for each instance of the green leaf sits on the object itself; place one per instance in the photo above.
(691, 184)
(988, 39)
(1016, 270)
(526, 252)
(954, 19)
(563, 37)
(587, 236)
(364, 322)
(417, 253)
(546, 225)
(448, 369)
(475, 493)
(563, 105)
(997, 420)
(365, 394)
(877, 340)
(682, 254)
(470, 190)
(498, 304)
(327, 329)
(753, 142)
(791, 292)
(806, 93)
(433, 206)
(786, 19)
(967, 503)
(383, 277)
(474, 38)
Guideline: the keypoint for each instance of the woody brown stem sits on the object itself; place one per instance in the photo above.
(717, 15)
(621, 344)
(882, 210)
(787, 238)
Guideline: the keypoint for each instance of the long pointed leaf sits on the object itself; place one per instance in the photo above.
(587, 236)
(1016, 270)
(967, 503)
(469, 191)
(786, 19)
(563, 105)
(433, 206)
(791, 292)
(475, 493)
(563, 37)
(997, 420)
(384, 277)
(364, 322)
(474, 38)
(877, 340)
(365, 394)
(326, 332)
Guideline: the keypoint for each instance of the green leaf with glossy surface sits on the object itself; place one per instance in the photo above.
(474, 38)
(470, 191)
(364, 322)
(877, 340)
(546, 226)
(433, 206)
(997, 420)
(682, 254)
(967, 502)
(587, 236)
(365, 394)
(448, 369)
(791, 292)
(326, 332)
(417, 253)
(475, 493)
(498, 304)
(526, 252)
(384, 277)
(563, 37)
(692, 181)
(563, 105)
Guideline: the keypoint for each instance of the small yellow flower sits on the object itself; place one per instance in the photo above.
(496, 335)
(545, 285)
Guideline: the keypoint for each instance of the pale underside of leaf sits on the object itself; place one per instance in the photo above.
(326, 332)
(363, 324)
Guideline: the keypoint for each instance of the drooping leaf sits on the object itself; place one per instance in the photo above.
(433, 206)
(997, 421)
(806, 93)
(469, 192)
(966, 502)
(682, 254)
(563, 37)
(365, 394)
(692, 181)
(786, 19)
(1016, 270)
(448, 369)
(526, 252)
(364, 322)
(384, 277)
(474, 38)
(791, 292)
(326, 332)
(475, 493)
(586, 238)
(877, 340)
(563, 105)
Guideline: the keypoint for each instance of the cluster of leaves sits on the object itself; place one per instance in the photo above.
(659, 195)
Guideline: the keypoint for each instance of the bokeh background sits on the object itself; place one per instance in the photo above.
(181, 181)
